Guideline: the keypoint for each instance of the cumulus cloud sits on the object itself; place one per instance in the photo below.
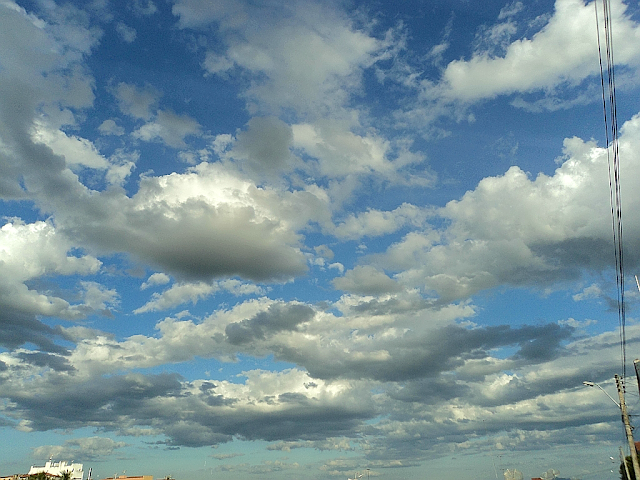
(136, 102)
(557, 54)
(144, 7)
(216, 64)
(158, 278)
(309, 69)
(31, 47)
(230, 226)
(362, 344)
(366, 280)
(126, 33)
(29, 254)
(76, 151)
(81, 449)
(510, 10)
(549, 63)
(401, 363)
(592, 291)
(546, 360)
(375, 222)
(79, 153)
(98, 297)
(121, 165)
(340, 444)
(519, 230)
(224, 456)
(340, 152)
(31, 251)
(276, 319)
(169, 128)
(110, 127)
(265, 144)
(191, 414)
(176, 295)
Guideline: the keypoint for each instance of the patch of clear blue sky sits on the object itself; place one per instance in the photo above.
(21, 209)
(21, 443)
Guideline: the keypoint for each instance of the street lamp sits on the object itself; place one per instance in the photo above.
(593, 384)
(625, 420)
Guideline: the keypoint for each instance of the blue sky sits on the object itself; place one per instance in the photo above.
(265, 239)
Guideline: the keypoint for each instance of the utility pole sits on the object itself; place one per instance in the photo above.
(624, 462)
(627, 427)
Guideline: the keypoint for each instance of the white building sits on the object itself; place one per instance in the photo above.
(58, 468)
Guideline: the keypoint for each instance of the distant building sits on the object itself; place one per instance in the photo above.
(136, 477)
(58, 468)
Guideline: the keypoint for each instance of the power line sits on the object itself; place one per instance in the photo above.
(613, 161)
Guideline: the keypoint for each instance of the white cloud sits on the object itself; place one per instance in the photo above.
(564, 51)
(33, 44)
(208, 222)
(375, 222)
(223, 456)
(306, 55)
(156, 279)
(31, 251)
(379, 346)
(222, 143)
(259, 326)
(121, 164)
(75, 150)
(90, 448)
(517, 230)
(384, 368)
(170, 128)
(592, 291)
(144, 7)
(339, 151)
(572, 322)
(309, 59)
(510, 10)
(97, 297)
(176, 295)
(236, 287)
(324, 251)
(193, 292)
(199, 13)
(126, 33)
(337, 266)
(79, 152)
(136, 102)
(110, 127)
(216, 64)
(341, 444)
(41, 74)
(366, 280)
